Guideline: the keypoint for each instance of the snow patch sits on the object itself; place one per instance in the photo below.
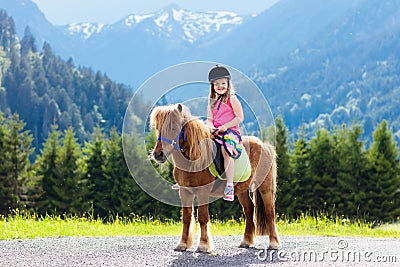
(177, 14)
(88, 29)
(136, 19)
(160, 21)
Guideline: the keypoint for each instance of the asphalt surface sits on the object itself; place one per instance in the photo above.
(158, 251)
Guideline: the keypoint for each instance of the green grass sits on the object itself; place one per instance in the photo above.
(33, 226)
(22, 226)
(326, 226)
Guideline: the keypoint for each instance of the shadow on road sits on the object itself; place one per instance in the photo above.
(238, 257)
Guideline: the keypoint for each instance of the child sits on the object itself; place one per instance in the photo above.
(224, 112)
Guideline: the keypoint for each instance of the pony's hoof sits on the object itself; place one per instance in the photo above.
(245, 244)
(273, 245)
(203, 249)
(181, 247)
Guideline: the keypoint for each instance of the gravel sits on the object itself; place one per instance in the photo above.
(158, 251)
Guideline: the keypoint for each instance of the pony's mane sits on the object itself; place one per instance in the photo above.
(194, 129)
(159, 115)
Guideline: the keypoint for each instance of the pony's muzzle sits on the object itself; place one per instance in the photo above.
(159, 156)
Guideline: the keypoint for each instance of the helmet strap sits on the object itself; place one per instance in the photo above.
(220, 97)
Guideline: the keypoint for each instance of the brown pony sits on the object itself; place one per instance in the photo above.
(187, 142)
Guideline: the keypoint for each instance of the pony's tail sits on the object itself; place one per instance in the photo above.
(264, 197)
(261, 216)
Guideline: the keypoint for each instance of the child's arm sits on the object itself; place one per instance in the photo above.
(237, 109)
(210, 118)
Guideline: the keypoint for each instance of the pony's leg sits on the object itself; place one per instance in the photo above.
(248, 208)
(187, 199)
(268, 200)
(206, 244)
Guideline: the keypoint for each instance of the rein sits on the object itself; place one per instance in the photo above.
(223, 141)
(174, 142)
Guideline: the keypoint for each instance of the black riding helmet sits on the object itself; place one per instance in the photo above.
(218, 72)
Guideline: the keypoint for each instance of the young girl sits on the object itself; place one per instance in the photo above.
(225, 112)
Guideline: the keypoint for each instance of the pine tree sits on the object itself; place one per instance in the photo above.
(28, 42)
(8, 196)
(71, 194)
(301, 195)
(20, 149)
(15, 149)
(46, 168)
(99, 184)
(121, 187)
(8, 37)
(284, 197)
(383, 184)
(352, 167)
(324, 169)
(23, 92)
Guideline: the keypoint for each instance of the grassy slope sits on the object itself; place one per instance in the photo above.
(31, 226)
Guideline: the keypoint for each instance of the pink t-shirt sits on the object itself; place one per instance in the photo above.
(224, 114)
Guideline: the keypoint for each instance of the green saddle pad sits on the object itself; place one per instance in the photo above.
(242, 168)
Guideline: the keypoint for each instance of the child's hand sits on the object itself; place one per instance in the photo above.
(214, 131)
(222, 129)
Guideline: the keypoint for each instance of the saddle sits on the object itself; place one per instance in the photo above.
(242, 165)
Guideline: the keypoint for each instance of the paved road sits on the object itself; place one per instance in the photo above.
(158, 251)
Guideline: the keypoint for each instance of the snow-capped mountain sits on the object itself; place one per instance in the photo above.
(171, 22)
(156, 40)
(122, 49)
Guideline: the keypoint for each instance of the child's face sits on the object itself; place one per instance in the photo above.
(221, 86)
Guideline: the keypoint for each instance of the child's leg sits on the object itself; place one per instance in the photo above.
(229, 167)
(229, 171)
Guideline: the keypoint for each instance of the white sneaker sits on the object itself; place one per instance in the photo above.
(175, 187)
(229, 193)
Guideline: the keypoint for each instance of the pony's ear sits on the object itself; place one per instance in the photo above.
(180, 107)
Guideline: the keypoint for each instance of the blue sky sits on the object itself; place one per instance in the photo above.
(60, 12)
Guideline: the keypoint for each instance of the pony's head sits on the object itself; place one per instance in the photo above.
(167, 122)
(178, 131)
